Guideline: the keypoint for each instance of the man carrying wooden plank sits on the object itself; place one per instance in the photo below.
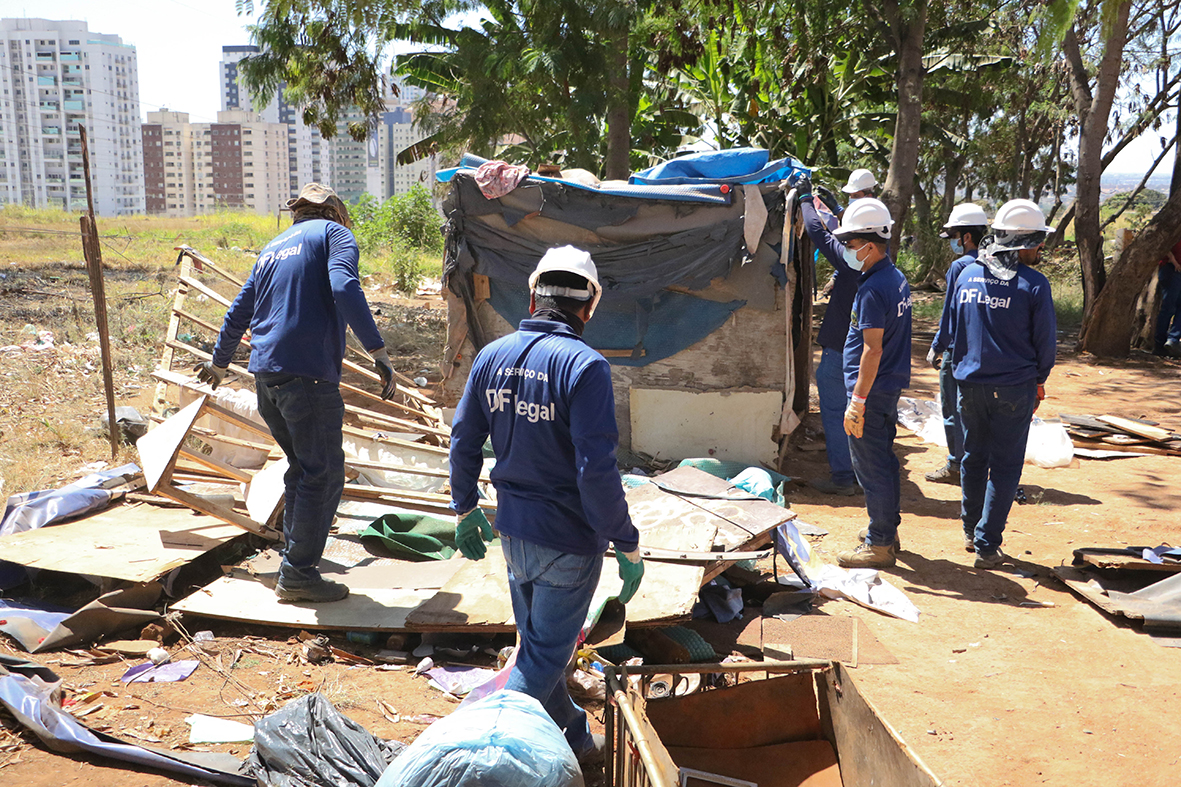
(303, 289)
(546, 399)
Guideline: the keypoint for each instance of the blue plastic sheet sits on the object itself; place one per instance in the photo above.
(661, 325)
(735, 165)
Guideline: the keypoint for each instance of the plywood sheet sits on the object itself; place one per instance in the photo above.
(348, 562)
(158, 448)
(674, 424)
(246, 600)
(670, 522)
(477, 597)
(828, 637)
(132, 542)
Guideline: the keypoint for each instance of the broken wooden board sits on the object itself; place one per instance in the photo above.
(245, 600)
(744, 522)
(136, 543)
(1138, 428)
(669, 522)
(1120, 559)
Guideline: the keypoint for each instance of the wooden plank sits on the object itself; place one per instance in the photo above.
(1137, 449)
(745, 522)
(1135, 427)
(198, 503)
(218, 466)
(1097, 558)
(136, 543)
(621, 353)
(204, 262)
(159, 447)
(394, 443)
(366, 609)
(363, 492)
(208, 292)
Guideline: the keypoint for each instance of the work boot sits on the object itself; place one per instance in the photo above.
(995, 560)
(969, 542)
(1173, 348)
(866, 556)
(830, 487)
(594, 753)
(323, 590)
(948, 474)
(864, 534)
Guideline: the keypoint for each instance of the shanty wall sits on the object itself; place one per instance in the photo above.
(746, 353)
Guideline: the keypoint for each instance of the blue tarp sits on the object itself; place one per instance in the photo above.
(662, 324)
(673, 192)
(736, 165)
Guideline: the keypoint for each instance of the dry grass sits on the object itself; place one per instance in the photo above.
(51, 397)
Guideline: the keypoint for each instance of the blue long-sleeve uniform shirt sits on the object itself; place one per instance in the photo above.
(943, 337)
(546, 399)
(882, 301)
(835, 327)
(303, 289)
(1005, 332)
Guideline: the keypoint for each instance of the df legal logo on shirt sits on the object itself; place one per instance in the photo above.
(501, 400)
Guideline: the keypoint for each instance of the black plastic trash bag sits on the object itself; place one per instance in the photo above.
(309, 743)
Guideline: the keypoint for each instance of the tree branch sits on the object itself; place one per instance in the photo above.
(1140, 187)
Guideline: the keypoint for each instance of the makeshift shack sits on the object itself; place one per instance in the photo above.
(706, 309)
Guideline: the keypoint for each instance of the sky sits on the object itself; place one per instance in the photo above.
(179, 47)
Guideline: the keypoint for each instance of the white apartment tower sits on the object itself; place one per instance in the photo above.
(55, 76)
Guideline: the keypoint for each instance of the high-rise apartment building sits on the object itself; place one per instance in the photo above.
(55, 76)
(241, 161)
(352, 168)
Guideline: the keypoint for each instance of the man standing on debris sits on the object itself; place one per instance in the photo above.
(830, 381)
(877, 368)
(302, 290)
(546, 399)
(1004, 340)
(966, 228)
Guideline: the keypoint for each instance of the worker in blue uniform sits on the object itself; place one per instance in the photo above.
(1005, 335)
(965, 229)
(830, 381)
(877, 368)
(302, 291)
(546, 399)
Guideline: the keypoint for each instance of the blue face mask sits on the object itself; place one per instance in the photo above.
(957, 246)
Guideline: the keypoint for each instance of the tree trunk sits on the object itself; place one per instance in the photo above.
(617, 166)
(1093, 105)
(1108, 333)
(907, 28)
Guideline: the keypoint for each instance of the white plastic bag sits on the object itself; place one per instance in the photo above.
(506, 739)
(1048, 445)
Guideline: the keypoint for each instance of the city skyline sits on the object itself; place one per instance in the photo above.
(182, 75)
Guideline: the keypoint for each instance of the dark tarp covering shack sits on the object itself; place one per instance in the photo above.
(701, 287)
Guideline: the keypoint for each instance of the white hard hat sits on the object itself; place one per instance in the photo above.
(568, 259)
(966, 214)
(866, 216)
(859, 180)
(1020, 215)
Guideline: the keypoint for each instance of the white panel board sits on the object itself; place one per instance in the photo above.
(735, 425)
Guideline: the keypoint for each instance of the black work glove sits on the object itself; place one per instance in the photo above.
(935, 359)
(830, 200)
(381, 362)
(208, 373)
(802, 183)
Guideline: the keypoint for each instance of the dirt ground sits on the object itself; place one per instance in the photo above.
(986, 691)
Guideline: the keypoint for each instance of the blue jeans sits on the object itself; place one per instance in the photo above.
(1168, 320)
(996, 426)
(551, 594)
(830, 388)
(949, 400)
(305, 418)
(877, 466)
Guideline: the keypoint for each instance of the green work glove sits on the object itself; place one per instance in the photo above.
(631, 571)
(471, 531)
